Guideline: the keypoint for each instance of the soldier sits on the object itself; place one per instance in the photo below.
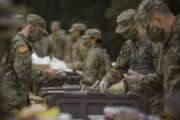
(77, 31)
(57, 40)
(136, 53)
(20, 75)
(158, 20)
(84, 48)
(68, 49)
(37, 46)
(96, 64)
(43, 47)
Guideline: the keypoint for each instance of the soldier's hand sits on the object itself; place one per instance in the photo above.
(103, 85)
(51, 73)
(133, 76)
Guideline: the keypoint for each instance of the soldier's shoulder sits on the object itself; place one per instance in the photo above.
(50, 36)
(18, 41)
(97, 51)
(19, 44)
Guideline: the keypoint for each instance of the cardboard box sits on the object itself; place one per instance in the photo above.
(40, 67)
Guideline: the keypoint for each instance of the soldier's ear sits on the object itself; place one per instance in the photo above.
(30, 27)
(158, 18)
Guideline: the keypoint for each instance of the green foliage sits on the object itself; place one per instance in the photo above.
(20, 9)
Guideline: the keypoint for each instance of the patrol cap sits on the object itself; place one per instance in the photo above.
(78, 26)
(93, 32)
(37, 21)
(124, 20)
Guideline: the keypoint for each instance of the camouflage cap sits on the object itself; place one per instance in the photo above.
(93, 32)
(124, 20)
(37, 21)
(78, 26)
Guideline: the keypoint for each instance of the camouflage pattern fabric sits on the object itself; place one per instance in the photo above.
(95, 65)
(68, 48)
(43, 47)
(139, 57)
(166, 80)
(57, 43)
(78, 61)
(19, 78)
(20, 74)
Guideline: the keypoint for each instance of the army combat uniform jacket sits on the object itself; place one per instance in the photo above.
(20, 76)
(97, 64)
(43, 47)
(57, 41)
(167, 78)
(140, 56)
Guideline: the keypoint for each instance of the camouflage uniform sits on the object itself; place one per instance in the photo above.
(43, 47)
(96, 64)
(68, 48)
(57, 41)
(137, 55)
(167, 78)
(76, 56)
(20, 75)
(82, 49)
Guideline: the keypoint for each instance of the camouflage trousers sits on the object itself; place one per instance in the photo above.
(16, 96)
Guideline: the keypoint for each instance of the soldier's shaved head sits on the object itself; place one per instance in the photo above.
(156, 18)
(152, 11)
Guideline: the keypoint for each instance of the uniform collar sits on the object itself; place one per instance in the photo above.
(29, 44)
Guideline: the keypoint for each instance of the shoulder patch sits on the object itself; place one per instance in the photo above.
(22, 49)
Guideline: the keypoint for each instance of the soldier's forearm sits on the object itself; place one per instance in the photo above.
(39, 76)
(113, 76)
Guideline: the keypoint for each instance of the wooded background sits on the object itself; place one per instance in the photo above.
(95, 13)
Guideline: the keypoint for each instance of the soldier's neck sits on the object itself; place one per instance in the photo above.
(25, 32)
(77, 39)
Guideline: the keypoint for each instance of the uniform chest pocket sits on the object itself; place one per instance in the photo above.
(174, 53)
(142, 52)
